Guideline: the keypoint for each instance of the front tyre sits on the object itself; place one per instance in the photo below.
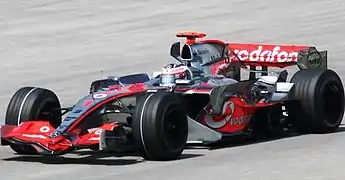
(160, 127)
(30, 104)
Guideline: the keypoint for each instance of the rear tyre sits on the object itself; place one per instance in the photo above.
(160, 127)
(318, 101)
(30, 104)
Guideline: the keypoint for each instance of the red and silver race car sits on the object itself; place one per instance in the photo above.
(184, 102)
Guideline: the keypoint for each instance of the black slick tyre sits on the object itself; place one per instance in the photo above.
(317, 104)
(30, 104)
(160, 127)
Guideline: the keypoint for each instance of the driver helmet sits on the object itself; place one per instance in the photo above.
(172, 72)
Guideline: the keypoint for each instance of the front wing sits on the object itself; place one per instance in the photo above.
(37, 134)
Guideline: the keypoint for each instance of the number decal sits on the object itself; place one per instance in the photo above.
(99, 96)
(44, 129)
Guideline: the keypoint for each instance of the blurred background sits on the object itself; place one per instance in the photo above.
(64, 45)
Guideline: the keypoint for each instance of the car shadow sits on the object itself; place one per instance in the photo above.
(96, 157)
(90, 158)
(245, 142)
(133, 154)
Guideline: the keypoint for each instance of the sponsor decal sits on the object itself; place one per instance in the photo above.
(99, 96)
(88, 102)
(314, 61)
(34, 136)
(152, 90)
(175, 70)
(202, 51)
(77, 111)
(55, 134)
(267, 55)
(44, 129)
(94, 139)
(96, 131)
(219, 122)
(69, 118)
(240, 120)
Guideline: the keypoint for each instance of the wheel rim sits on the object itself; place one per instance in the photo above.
(333, 103)
(174, 129)
(47, 112)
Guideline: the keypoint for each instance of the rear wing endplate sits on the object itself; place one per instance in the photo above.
(311, 58)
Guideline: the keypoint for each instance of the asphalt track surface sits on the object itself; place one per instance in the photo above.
(64, 45)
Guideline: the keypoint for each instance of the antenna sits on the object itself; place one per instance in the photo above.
(102, 79)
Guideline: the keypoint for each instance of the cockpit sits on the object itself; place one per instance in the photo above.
(196, 61)
(196, 65)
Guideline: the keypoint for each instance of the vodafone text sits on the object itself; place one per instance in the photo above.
(274, 55)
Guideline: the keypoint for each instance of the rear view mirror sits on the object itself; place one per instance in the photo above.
(181, 55)
(175, 50)
(186, 53)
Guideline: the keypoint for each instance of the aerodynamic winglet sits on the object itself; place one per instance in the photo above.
(201, 133)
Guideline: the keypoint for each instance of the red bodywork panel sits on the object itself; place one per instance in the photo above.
(237, 116)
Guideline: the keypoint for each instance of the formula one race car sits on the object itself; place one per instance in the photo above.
(185, 102)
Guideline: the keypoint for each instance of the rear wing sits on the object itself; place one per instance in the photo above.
(271, 55)
(253, 55)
